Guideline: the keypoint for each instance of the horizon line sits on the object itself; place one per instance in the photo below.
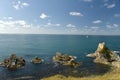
(59, 34)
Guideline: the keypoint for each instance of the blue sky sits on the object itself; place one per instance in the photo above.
(95, 17)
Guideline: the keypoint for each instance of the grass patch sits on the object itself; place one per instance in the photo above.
(114, 74)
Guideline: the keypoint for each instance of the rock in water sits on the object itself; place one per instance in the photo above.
(13, 62)
(105, 56)
(65, 59)
(37, 60)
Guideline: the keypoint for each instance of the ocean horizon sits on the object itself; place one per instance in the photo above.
(45, 46)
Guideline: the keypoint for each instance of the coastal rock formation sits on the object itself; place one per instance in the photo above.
(65, 59)
(37, 60)
(105, 56)
(13, 62)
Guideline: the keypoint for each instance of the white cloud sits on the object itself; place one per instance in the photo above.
(18, 5)
(10, 17)
(94, 27)
(25, 4)
(117, 15)
(87, 0)
(49, 24)
(97, 21)
(72, 30)
(20, 27)
(75, 14)
(70, 26)
(43, 16)
(116, 25)
(112, 26)
(13, 24)
(5, 18)
(110, 5)
(58, 24)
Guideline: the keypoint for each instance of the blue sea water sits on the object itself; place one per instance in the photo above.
(45, 46)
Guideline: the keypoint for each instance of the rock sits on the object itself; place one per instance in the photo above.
(13, 62)
(65, 59)
(37, 60)
(116, 64)
(105, 56)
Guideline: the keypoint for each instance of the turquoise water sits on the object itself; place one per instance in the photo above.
(45, 46)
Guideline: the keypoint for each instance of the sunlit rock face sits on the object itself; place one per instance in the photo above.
(37, 60)
(65, 59)
(105, 56)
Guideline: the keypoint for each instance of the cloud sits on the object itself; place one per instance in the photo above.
(117, 15)
(70, 26)
(58, 24)
(94, 27)
(13, 24)
(43, 16)
(25, 4)
(87, 0)
(20, 27)
(7, 18)
(112, 26)
(72, 30)
(75, 14)
(97, 22)
(110, 5)
(49, 24)
(10, 17)
(18, 5)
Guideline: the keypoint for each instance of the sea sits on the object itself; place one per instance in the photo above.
(45, 46)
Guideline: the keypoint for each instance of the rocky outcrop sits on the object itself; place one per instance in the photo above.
(13, 62)
(65, 59)
(37, 60)
(105, 56)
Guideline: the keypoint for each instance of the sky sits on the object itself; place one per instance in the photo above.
(81, 17)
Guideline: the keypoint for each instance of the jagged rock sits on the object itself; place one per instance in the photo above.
(13, 62)
(37, 60)
(65, 59)
(105, 56)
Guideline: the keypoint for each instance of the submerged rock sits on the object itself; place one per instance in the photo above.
(13, 62)
(105, 56)
(65, 59)
(37, 60)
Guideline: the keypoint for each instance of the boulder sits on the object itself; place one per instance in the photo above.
(105, 56)
(65, 59)
(13, 62)
(37, 60)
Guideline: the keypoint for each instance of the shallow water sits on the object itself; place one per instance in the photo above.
(45, 46)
